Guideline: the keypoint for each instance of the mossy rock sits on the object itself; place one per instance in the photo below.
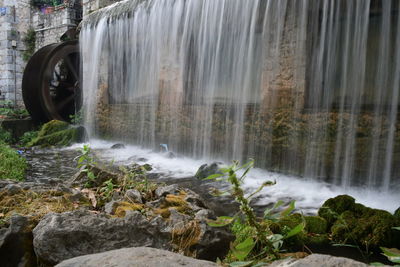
(397, 214)
(58, 133)
(286, 224)
(316, 224)
(371, 229)
(316, 240)
(333, 207)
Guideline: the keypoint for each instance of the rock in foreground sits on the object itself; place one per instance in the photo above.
(135, 257)
(316, 260)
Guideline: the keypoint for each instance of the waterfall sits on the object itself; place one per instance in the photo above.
(304, 87)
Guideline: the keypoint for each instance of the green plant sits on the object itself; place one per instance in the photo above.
(7, 109)
(30, 43)
(27, 137)
(393, 255)
(12, 165)
(255, 242)
(85, 161)
(107, 190)
(76, 118)
(5, 136)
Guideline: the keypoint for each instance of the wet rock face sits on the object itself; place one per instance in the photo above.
(135, 257)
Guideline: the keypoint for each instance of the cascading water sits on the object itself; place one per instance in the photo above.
(305, 87)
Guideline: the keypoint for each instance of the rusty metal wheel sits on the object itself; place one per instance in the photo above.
(50, 85)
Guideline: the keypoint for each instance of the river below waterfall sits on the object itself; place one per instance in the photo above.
(58, 164)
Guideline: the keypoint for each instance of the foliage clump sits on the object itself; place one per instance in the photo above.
(12, 165)
(255, 242)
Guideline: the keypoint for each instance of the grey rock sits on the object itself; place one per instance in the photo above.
(118, 146)
(110, 207)
(162, 191)
(206, 170)
(318, 260)
(13, 189)
(16, 248)
(135, 257)
(204, 215)
(58, 237)
(133, 195)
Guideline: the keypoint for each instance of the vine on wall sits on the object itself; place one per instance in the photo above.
(30, 44)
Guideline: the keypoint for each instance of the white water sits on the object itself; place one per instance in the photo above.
(304, 87)
(308, 194)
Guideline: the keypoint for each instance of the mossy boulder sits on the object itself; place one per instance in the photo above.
(397, 214)
(333, 207)
(353, 223)
(316, 224)
(58, 133)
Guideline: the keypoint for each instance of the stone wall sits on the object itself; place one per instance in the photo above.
(50, 27)
(15, 20)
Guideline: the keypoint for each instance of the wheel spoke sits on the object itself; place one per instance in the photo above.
(65, 102)
(71, 68)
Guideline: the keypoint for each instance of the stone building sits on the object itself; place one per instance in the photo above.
(17, 17)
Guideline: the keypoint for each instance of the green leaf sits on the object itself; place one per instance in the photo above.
(300, 227)
(396, 228)
(277, 205)
(221, 221)
(243, 249)
(376, 264)
(289, 209)
(214, 176)
(241, 263)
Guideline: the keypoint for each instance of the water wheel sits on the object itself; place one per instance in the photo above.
(50, 85)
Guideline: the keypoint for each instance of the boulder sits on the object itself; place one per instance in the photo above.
(58, 237)
(135, 257)
(16, 247)
(317, 260)
(62, 236)
(206, 170)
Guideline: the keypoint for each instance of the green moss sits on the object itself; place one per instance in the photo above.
(316, 224)
(52, 127)
(397, 213)
(363, 226)
(12, 165)
(316, 240)
(333, 207)
(56, 133)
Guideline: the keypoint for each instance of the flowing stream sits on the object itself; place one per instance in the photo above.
(309, 89)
